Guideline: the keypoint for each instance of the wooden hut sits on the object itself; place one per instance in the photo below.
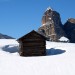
(32, 44)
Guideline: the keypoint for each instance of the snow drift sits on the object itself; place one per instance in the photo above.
(60, 60)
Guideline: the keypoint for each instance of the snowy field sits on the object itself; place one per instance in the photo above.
(60, 60)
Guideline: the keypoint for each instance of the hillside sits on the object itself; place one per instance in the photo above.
(60, 60)
(3, 36)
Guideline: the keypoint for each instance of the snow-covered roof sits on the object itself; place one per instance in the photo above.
(63, 39)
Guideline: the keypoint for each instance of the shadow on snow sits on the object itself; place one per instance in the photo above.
(53, 51)
(10, 48)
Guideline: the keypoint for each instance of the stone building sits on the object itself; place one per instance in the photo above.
(51, 25)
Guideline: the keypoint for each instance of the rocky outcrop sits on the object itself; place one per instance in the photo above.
(69, 28)
(51, 27)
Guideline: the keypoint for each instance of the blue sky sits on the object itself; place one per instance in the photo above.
(18, 17)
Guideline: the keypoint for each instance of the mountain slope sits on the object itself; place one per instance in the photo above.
(69, 28)
(2, 36)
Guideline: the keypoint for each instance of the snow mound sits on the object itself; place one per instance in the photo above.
(63, 39)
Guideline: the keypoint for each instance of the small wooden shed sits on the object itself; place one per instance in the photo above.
(32, 44)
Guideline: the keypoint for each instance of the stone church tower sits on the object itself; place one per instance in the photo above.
(51, 25)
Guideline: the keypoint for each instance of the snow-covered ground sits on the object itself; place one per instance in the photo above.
(60, 60)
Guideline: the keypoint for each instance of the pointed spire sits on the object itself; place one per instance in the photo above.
(49, 8)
